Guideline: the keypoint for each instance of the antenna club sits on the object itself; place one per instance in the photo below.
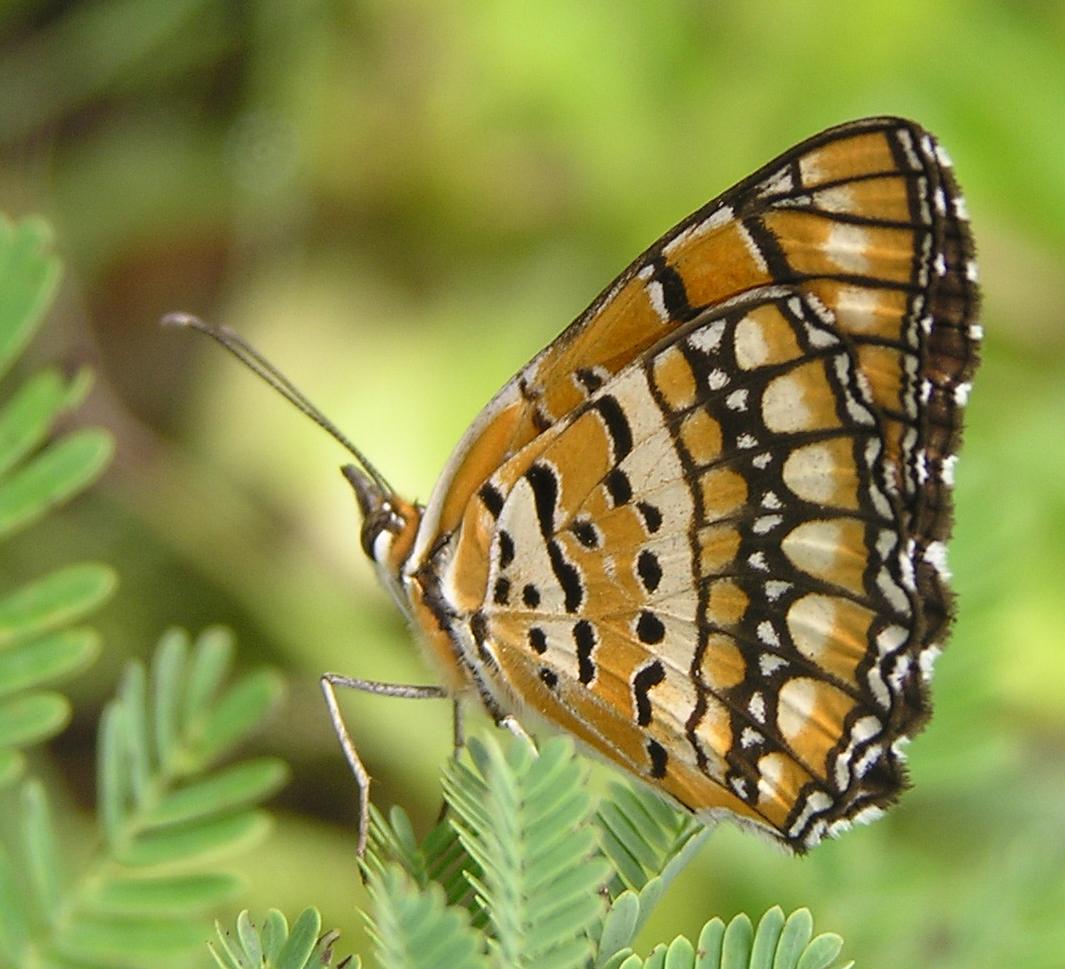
(180, 319)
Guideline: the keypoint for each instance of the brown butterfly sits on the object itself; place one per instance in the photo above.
(703, 530)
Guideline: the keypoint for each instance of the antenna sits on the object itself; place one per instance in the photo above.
(266, 371)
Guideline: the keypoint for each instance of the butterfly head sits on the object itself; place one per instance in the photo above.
(389, 524)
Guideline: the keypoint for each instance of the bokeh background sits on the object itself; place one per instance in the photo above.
(400, 201)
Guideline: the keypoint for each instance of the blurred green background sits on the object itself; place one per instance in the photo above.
(400, 202)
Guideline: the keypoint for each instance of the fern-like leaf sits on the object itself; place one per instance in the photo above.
(649, 844)
(37, 646)
(158, 808)
(414, 928)
(274, 946)
(526, 821)
(776, 944)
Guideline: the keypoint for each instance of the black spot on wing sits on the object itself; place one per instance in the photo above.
(618, 487)
(544, 486)
(658, 756)
(617, 426)
(652, 517)
(538, 640)
(674, 295)
(584, 638)
(492, 498)
(649, 569)
(586, 533)
(588, 379)
(568, 575)
(645, 679)
(649, 628)
(506, 549)
(530, 595)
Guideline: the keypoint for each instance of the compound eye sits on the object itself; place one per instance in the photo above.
(379, 521)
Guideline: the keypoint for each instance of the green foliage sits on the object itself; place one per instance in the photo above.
(38, 641)
(166, 814)
(556, 882)
(525, 820)
(275, 946)
(778, 943)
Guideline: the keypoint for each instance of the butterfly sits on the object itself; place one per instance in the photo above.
(703, 531)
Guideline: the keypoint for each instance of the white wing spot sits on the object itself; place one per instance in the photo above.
(750, 737)
(769, 663)
(716, 379)
(707, 338)
(766, 523)
(767, 634)
(737, 400)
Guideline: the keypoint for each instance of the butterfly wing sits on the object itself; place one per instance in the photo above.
(703, 529)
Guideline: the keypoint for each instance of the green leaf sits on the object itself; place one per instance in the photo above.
(60, 598)
(821, 952)
(168, 666)
(274, 933)
(244, 783)
(132, 696)
(226, 949)
(28, 275)
(413, 929)
(111, 778)
(128, 941)
(14, 928)
(60, 471)
(27, 417)
(301, 942)
(236, 715)
(619, 926)
(767, 937)
(195, 842)
(211, 661)
(41, 853)
(710, 946)
(34, 663)
(248, 937)
(798, 930)
(736, 946)
(33, 717)
(680, 954)
(161, 895)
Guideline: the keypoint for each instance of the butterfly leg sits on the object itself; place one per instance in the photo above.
(330, 682)
(511, 724)
(458, 742)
